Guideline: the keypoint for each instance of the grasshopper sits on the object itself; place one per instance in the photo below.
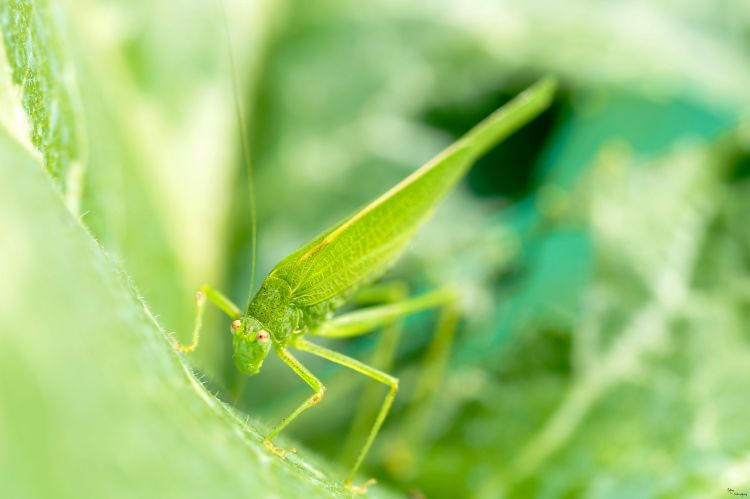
(299, 296)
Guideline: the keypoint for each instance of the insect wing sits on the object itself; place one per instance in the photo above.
(362, 247)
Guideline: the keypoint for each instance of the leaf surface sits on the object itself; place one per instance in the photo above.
(95, 401)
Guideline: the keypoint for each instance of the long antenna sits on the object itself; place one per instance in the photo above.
(245, 146)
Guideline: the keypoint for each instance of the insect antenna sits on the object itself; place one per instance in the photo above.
(244, 142)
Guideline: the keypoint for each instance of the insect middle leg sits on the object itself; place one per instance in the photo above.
(365, 320)
(218, 299)
(371, 372)
(312, 382)
(382, 358)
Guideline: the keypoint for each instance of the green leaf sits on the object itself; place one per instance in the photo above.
(38, 68)
(95, 401)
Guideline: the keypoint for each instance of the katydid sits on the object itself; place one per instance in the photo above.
(300, 295)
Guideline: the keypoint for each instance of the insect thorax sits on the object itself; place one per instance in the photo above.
(272, 307)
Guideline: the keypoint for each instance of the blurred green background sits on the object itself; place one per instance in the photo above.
(602, 252)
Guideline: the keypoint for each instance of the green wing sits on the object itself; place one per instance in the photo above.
(362, 246)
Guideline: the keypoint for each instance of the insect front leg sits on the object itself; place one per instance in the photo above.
(218, 299)
(308, 378)
(371, 372)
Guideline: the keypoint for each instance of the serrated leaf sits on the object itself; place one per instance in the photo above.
(38, 69)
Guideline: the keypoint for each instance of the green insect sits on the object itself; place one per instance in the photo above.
(300, 295)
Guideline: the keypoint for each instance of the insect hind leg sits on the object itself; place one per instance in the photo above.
(382, 358)
(402, 452)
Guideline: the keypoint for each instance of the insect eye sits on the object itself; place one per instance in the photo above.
(236, 325)
(262, 335)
